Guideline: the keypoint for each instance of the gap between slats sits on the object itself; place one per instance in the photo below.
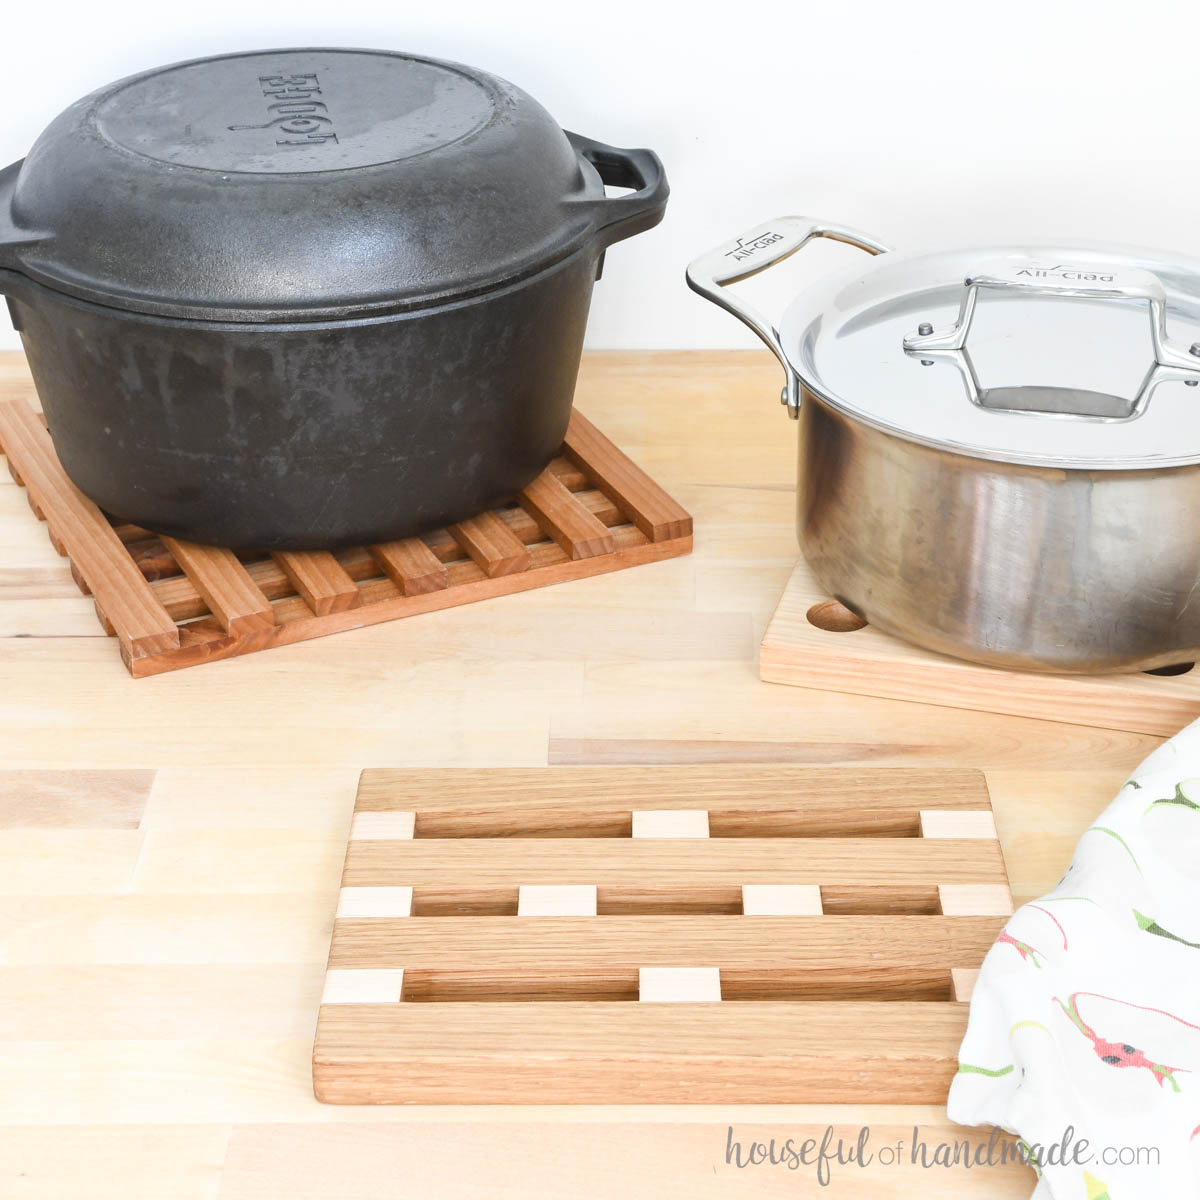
(884, 985)
(650, 899)
(723, 822)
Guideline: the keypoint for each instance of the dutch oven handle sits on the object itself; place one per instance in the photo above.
(755, 251)
(622, 216)
(12, 237)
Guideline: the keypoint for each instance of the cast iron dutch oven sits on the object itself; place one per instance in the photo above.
(999, 454)
(309, 298)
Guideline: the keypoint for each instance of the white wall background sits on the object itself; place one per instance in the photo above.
(932, 122)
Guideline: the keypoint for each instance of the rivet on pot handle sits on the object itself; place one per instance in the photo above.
(755, 251)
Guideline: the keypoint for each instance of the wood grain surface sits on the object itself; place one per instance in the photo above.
(806, 646)
(320, 579)
(411, 565)
(574, 527)
(517, 940)
(78, 528)
(493, 546)
(153, 1083)
(224, 584)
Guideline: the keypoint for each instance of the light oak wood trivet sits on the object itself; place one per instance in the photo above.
(814, 642)
(173, 604)
(717, 934)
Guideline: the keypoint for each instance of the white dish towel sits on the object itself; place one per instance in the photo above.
(1086, 1013)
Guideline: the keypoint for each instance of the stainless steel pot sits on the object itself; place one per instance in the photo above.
(997, 459)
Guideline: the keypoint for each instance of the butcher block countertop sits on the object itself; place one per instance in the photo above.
(170, 848)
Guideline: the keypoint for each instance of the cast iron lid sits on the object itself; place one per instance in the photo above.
(1060, 356)
(297, 184)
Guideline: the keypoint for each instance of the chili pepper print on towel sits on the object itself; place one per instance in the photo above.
(1086, 1015)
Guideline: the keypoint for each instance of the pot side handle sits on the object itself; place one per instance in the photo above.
(755, 251)
(621, 217)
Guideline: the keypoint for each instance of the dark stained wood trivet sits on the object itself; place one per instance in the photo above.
(714, 934)
(173, 604)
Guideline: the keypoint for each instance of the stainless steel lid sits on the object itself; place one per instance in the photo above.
(1067, 356)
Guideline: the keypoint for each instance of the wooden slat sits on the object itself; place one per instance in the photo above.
(184, 603)
(676, 985)
(655, 513)
(490, 542)
(963, 980)
(670, 823)
(320, 579)
(142, 624)
(962, 824)
(975, 899)
(780, 900)
(231, 595)
(699, 862)
(837, 946)
(411, 566)
(382, 826)
(571, 525)
(593, 1052)
(564, 900)
(363, 987)
(154, 560)
(206, 641)
(568, 474)
(741, 800)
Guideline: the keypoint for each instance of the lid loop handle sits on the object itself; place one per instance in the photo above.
(755, 251)
(1070, 281)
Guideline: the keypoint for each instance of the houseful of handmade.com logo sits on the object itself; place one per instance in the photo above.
(824, 1155)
